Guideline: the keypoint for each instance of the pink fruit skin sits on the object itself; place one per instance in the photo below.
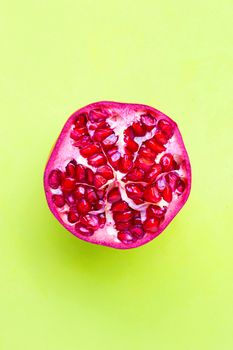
(173, 209)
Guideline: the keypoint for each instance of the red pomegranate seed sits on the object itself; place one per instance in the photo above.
(105, 171)
(120, 206)
(151, 225)
(90, 220)
(55, 178)
(97, 115)
(91, 195)
(123, 216)
(160, 137)
(79, 192)
(155, 211)
(83, 206)
(137, 219)
(151, 194)
(80, 173)
(114, 157)
(70, 198)
(167, 194)
(154, 146)
(112, 151)
(154, 172)
(172, 178)
(161, 184)
(90, 150)
(114, 195)
(128, 152)
(89, 176)
(129, 132)
(124, 225)
(76, 133)
(134, 191)
(101, 193)
(97, 160)
(146, 152)
(149, 121)
(70, 169)
(139, 129)
(99, 181)
(58, 200)
(136, 174)
(72, 217)
(100, 125)
(102, 220)
(180, 187)
(68, 184)
(167, 162)
(130, 144)
(109, 142)
(81, 120)
(101, 134)
(99, 204)
(144, 163)
(166, 127)
(83, 141)
(137, 232)
(138, 201)
(125, 237)
(83, 230)
(125, 163)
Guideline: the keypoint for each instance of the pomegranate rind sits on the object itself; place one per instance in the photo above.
(174, 207)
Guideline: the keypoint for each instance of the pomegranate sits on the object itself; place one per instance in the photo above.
(118, 174)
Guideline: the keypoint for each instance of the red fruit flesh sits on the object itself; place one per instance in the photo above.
(125, 163)
(154, 172)
(72, 217)
(68, 184)
(83, 206)
(118, 174)
(151, 194)
(148, 121)
(101, 134)
(134, 191)
(139, 129)
(130, 144)
(70, 169)
(89, 150)
(151, 225)
(136, 174)
(124, 216)
(58, 200)
(120, 206)
(105, 171)
(109, 142)
(80, 173)
(114, 195)
(55, 178)
(97, 160)
(99, 181)
(155, 211)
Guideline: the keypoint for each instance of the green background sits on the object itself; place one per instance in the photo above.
(58, 292)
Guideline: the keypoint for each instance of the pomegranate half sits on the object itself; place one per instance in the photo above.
(118, 174)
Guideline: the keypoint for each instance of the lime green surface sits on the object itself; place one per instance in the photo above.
(60, 293)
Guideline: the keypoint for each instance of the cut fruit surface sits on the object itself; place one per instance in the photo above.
(118, 174)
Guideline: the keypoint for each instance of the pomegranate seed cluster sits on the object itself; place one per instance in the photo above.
(117, 173)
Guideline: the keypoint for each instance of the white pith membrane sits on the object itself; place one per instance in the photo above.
(120, 117)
